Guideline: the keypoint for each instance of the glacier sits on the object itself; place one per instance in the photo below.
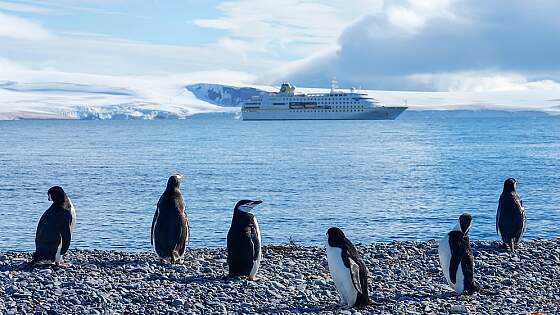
(93, 98)
(135, 98)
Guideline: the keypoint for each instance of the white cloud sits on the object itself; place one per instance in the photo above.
(101, 54)
(480, 81)
(19, 28)
(444, 45)
(23, 8)
(405, 18)
(288, 28)
(401, 44)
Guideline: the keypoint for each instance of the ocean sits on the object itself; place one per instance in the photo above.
(379, 181)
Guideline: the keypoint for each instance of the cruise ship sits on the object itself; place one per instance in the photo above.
(336, 105)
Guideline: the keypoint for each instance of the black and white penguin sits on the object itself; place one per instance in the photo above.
(347, 269)
(244, 241)
(170, 226)
(511, 221)
(456, 258)
(54, 231)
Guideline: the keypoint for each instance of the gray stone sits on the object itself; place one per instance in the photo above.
(177, 303)
(458, 309)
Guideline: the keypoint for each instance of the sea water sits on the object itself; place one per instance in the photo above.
(407, 179)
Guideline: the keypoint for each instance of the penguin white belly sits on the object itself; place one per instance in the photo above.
(257, 262)
(341, 276)
(73, 213)
(444, 252)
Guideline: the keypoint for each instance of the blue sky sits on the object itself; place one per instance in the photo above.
(163, 22)
(393, 44)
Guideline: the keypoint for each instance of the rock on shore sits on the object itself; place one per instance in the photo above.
(405, 277)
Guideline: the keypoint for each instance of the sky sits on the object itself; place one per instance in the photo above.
(429, 45)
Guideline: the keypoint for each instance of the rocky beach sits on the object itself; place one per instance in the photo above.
(404, 278)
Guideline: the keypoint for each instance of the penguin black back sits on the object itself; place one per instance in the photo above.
(170, 230)
(53, 233)
(336, 238)
(510, 216)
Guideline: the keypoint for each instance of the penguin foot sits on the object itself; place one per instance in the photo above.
(253, 278)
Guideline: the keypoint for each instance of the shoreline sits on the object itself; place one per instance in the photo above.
(404, 276)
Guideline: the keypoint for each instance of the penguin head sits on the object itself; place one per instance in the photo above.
(464, 224)
(246, 205)
(509, 185)
(174, 182)
(56, 194)
(335, 237)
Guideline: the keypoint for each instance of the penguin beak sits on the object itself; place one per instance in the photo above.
(258, 202)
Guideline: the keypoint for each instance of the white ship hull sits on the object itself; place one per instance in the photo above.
(377, 113)
(335, 105)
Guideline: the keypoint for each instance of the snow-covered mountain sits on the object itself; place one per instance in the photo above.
(126, 100)
(223, 95)
(98, 97)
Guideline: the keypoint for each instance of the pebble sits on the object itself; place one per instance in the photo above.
(458, 309)
(405, 278)
(178, 303)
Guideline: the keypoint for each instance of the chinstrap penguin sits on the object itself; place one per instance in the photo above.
(170, 226)
(54, 231)
(456, 258)
(244, 241)
(511, 220)
(347, 269)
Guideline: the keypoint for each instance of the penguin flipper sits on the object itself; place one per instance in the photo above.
(354, 268)
(153, 225)
(255, 238)
(355, 273)
(182, 236)
(467, 266)
(455, 244)
(66, 233)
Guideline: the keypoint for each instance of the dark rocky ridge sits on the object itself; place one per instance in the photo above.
(405, 278)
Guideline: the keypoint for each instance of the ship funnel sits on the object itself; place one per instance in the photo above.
(287, 87)
(334, 84)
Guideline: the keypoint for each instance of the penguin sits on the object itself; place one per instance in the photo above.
(244, 241)
(54, 231)
(511, 221)
(456, 257)
(170, 225)
(347, 269)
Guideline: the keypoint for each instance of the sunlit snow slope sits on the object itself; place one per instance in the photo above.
(149, 98)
